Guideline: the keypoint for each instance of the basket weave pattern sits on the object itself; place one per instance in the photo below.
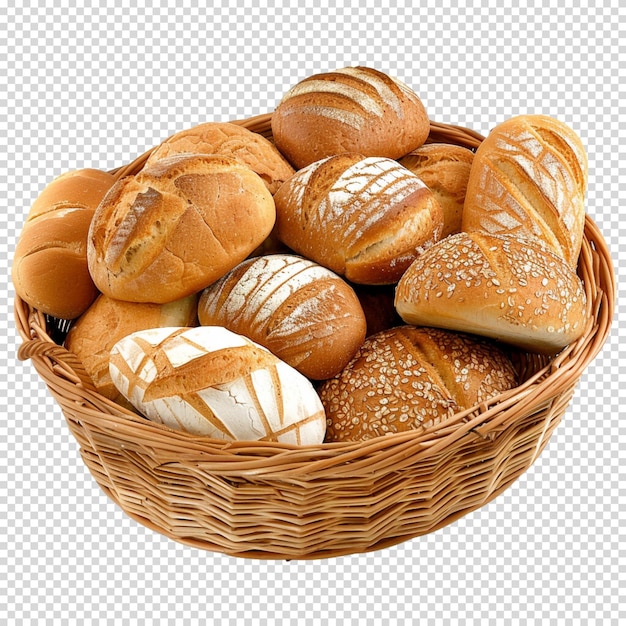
(270, 500)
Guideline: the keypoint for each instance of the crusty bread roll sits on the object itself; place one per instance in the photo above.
(230, 140)
(302, 312)
(106, 321)
(354, 109)
(176, 227)
(529, 177)
(409, 378)
(50, 270)
(445, 170)
(506, 287)
(210, 381)
(364, 218)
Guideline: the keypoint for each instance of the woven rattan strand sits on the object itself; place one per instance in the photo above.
(275, 501)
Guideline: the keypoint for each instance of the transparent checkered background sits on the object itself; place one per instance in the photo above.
(96, 87)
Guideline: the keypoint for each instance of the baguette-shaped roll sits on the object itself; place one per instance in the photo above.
(210, 381)
(176, 227)
(302, 312)
(408, 378)
(353, 109)
(50, 270)
(529, 177)
(506, 287)
(365, 218)
(106, 321)
(445, 170)
(230, 140)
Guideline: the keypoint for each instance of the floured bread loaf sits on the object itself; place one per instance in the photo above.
(230, 140)
(354, 109)
(529, 177)
(302, 312)
(210, 381)
(365, 218)
(176, 227)
(502, 286)
(409, 378)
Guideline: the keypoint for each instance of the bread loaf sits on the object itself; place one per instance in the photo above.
(176, 227)
(50, 270)
(506, 287)
(364, 218)
(230, 140)
(106, 321)
(409, 378)
(529, 177)
(445, 169)
(209, 381)
(354, 109)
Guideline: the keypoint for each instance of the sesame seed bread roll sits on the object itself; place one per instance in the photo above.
(106, 321)
(354, 109)
(506, 287)
(365, 218)
(409, 378)
(445, 169)
(210, 381)
(529, 177)
(302, 312)
(230, 140)
(177, 226)
(50, 269)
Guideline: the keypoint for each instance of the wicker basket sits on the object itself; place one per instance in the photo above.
(270, 500)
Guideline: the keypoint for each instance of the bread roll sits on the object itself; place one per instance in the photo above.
(106, 321)
(529, 177)
(445, 169)
(365, 218)
(354, 109)
(176, 227)
(302, 312)
(409, 378)
(209, 381)
(502, 286)
(230, 140)
(50, 270)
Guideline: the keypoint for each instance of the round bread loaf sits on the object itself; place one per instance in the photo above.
(210, 381)
(302, 312)
(409, 378)
(445, 170)
(506, 287)
(230, 140)
(354, 109)
(365, 218)
(529, 177)
(50, 270)
(176, 227)
(106, 321)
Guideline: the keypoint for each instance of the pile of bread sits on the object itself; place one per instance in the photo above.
(342, 280)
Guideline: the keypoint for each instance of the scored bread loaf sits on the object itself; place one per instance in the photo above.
(302, 312)
(506, 287)
(529, 177)
(365, 218)
(353, 109)
(50, 270)
(210, 381)
(106, 321)
(230, 140)
(445, 169)
(409, 378)
(177, 226)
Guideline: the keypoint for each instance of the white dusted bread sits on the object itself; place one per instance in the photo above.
(210, 381)
(300, 311)
(506, 287)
